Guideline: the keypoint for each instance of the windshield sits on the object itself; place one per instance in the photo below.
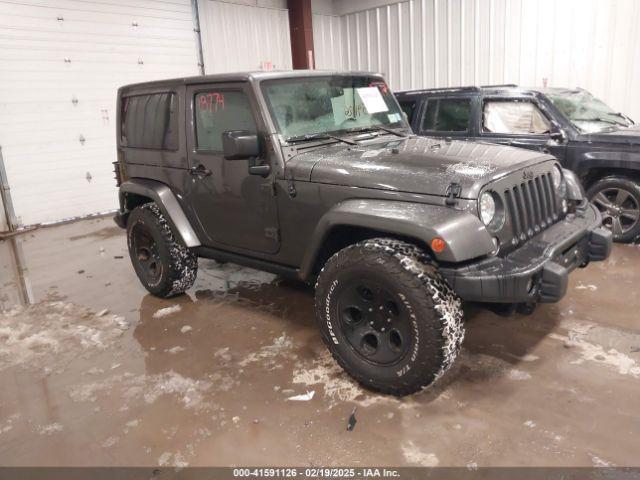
(586, 112)
(321, 105)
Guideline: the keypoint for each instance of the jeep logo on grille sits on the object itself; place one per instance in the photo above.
(527, 175)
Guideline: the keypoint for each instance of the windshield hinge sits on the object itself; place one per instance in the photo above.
(454, 190)
(291, 187)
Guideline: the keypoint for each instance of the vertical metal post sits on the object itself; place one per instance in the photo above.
(195, 13)
(301, 32)
(5, 194)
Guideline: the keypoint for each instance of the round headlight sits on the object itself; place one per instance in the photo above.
(487, 208)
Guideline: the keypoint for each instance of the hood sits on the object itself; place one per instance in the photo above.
(413, 164)
(627, 135)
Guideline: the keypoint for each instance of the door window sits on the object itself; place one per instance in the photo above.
(515, 117)
(218, 111)
(447, 115)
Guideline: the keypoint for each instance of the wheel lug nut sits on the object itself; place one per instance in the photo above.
(371, 309)
(370, 323)
(380, 307)
(388, 320)
(382, 329)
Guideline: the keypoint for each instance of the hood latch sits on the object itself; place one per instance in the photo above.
(454, 190)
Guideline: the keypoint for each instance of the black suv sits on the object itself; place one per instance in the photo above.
(316, 176)
(599, 144)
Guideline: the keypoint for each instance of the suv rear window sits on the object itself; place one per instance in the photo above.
(447, 115)
(150, 121)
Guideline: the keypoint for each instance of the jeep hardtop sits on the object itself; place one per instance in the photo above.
(317, 176)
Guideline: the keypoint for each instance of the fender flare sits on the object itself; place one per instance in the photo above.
(465, 235)
(166, 200)
(606, 159)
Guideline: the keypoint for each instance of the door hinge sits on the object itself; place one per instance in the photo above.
(291, 188)
(273, 233)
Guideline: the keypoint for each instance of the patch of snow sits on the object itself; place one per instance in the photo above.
(176, 349)
(529, 358)
(530, 424)
(164, 312)
(590, 287)
(281, 346)
(624, 364)
(185, 329)
(50, 428)
(519, 375)
(338, 386)
(52, 334)
(413, 454)
(192, 394)
(599, 462)
(305, 397)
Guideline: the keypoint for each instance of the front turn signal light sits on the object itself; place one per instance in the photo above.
(438, 245)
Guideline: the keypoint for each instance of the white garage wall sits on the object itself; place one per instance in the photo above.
(594, 44)
(240, 37)
(54, 52)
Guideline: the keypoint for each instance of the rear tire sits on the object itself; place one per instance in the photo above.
(164, 265)
(618, 199)
(387, 316)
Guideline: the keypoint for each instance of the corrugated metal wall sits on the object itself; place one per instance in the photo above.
(60, 66)
(238, 37)
(594, 44)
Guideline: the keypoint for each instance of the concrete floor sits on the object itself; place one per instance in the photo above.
(98, 372)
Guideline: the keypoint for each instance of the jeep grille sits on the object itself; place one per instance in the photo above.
(531, 207)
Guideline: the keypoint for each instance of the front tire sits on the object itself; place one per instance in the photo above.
(164, 265)
(387, 316)
(618, 199)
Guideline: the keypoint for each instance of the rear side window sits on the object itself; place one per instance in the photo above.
(150, 121)
(447, 115)
(515, 117)
(409, 108)
(218, 111)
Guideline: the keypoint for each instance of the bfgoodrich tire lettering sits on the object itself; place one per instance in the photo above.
(387, 316)
(164, 265)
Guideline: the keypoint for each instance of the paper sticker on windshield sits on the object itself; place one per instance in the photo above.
(372, 99)
(393, 117)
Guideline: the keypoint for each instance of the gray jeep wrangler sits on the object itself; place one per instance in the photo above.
(317, 176)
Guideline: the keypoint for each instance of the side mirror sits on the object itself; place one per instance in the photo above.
(558, 135)
(240, 145)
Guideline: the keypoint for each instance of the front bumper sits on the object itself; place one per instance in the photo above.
(539, 270)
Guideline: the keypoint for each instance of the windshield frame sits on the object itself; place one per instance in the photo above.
(607, 123)
(402, 124)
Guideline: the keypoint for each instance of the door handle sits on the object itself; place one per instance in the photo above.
(200, 171)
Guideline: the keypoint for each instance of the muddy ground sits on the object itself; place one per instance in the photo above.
(98, 372)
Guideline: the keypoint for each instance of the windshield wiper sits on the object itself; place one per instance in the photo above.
(376, 127)
(318, 136)
(598, 119)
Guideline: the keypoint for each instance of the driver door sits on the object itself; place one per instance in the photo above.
(236, 210)
(518, 122)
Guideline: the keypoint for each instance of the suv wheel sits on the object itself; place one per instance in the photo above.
(387, 316)
(163, 264)
(618, 200)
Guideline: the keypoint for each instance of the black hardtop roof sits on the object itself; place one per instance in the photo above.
(511, 88)
(242, 77)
